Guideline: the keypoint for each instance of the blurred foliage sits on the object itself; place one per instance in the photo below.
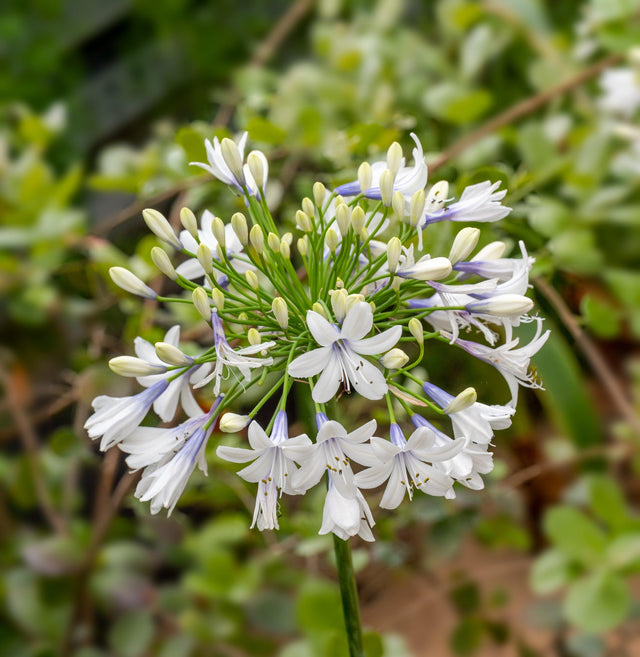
(104, 104)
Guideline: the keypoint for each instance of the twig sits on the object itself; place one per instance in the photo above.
(524, 107)
(599, 365)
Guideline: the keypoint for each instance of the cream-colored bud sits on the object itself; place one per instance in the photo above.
(358, 219)
(131, 366)
(364, 234)
(303, 221)
(398, 205)
(428, 269)
(365, 176)
(129, 282)
(462, 401)
(331, 240)
(232, 422)
(288, 238)
(317, 307)
(252, 279)
(217, 298)
(339, 283)
(281, 312)
(339, 303)
(205, 258)
(256, 237)
(437, 196)
(161, 227)
(492, 251)
(254, 337)
(343, 218)
(338, 200)
(387, 179)
(171, 355)
(394, 250)
(352, 299)
(394, 157)
(256, 164)
(504, 305)
(319, 192)
(190, 223)
(463, 244)
(308, 207)
(201, 302)
(394, 359)
(303, 246)
(416, 207)
(242, 317)
(217, 228)
(416, 330)
(232, 158)
(274, 242)
(220, 252)
(396, 283)
(240, 228)
(285, 249)
(162, 261)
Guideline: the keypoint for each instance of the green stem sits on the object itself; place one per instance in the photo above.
(349, 594)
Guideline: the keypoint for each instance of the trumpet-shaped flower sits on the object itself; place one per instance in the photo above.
(346, 515)
(339, 358)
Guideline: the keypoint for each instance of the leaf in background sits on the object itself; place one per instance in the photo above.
(550, 572)
(575, 535)
(132, 634)
(602, 318)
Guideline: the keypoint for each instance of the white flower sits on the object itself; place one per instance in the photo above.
(272, 468)
(407, 181)
(339, 359)
(425, 269)
(218, 164)
(621, 87)
(409, 464)
(480, 202)
(346, 515)
(163, 481)
(240, 359)
(510, 361)
(502, 269)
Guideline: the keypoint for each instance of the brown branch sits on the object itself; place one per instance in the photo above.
(522, 108)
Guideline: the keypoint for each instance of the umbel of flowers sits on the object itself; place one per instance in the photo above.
(330, 309)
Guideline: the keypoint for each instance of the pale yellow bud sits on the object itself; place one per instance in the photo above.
(242, 317)
(288, 238)
(217, 228)
(131, 366)
(416, 207)
(463, 244)
(232, 422)
(252, 279)
(274, 242)
(190, 223)
(217, 298)
(339, 303)
(201, 302)
(437, 196)
(343, 218)
(240, 228)
(358, 219)
(171, 355)
(128, 281)
(232, 158)
(256, 164)
(205, 258)
(365, 175)
(303, 222)
(491, 251)
(461, 402)
(317, 307)
(394, 158)
(285, 249)
(387, 179)
(352, 299)
(416, 329)
(308, 207)
(394, 250)
(397, 205)
(394, 359)
(303, 246)
(161, 227)
(281, 312)
(256, 237)
(162, 261)
(254, 337)
(319, 192)
(331, 240)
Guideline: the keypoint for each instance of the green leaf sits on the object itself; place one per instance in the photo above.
(262, 129)
(319, 607)
(372, 643)
(575, 535)
(608, 502)
(452, 102)
(131, 635)
(467, 636)
(598, 602)
(550, 572)
(624, 552)
(602, 319)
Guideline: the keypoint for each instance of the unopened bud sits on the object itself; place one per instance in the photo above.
(201, 302)
(352, 299)
(162, 261)
(504, 305)
(217, 298)
(239, 225)
(319, 191)
(365, 176)
(171, 355)
(258, 166)
(288, 238)
(343, 218)
(256, 237)
(254, 337)
(205, 258)
(281, 312)
(243, 318)
(492, 251)
(218, 230)
(461, 402)
(232, 422)
(274, 242)
(190, 223)
(463, 244)
(437, 196)
(416, 330)
(428, 269)
(394, 250)
(303, 246)
(161, 227)
(285, 249)
(129, 282)
(317, 307)
(231, 156)
(386, 186)
(416, 207)
(358, 219)
(331, 240)
(303, 222)
(131, 366)
(394, 359)
(398, 205)
(394, 158)
(308, 207)
(339, 303)
(252, 279)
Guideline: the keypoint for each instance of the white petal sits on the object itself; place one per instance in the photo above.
(363, 433)
(329, 381)
(395, 490)
(374, 476)
(323, 332)
(311, 363)
(167, 403)
(235, 454)
(377, 344)
(358, 322)
(330, 429)
(368, 381)
(385, 450)
(258, 439)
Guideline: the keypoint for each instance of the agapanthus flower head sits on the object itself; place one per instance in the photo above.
(340, 309)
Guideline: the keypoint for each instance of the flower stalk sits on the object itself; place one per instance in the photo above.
(349, 595)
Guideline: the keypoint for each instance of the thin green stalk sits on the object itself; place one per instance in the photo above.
(349, 594)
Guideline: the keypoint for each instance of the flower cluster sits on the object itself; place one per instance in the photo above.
(339, 314)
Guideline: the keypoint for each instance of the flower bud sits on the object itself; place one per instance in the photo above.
(217, 228)
(201, 302)
(285, 249)
(171, 355)
(504, 305)
(365, 176)
(437, 196)
(394, 158)
(428, 269)
(358, 219)
(331, 240)
(281, 312)
(307, 206)
(416, 207)
(339, 303)
(303, 246)
(252, 279)
(231, 156)
(303, 221)
(397, 205)
(463, 244)
(394, 249)
(190, 223)
(317, 307)
(343, 218)
(232, 422)
(239, 225)
(461, 402)
(386, 186)
(257, 164)
(162, 261)
(288, 238)
(394, 359)
(256, 237)
(131, 366)
(217, 298)
(242, 317)
(205, 258)
(492, 251)
(416, 330)
(274, 242)
(128, 281)
(319, 191)
(254, 337)
(352, 299)
(158, 225)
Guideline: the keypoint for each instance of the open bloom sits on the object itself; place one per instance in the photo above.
(346, 515)
(272, 468)
(339, 357)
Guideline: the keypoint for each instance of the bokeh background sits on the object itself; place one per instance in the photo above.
(102, 107)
